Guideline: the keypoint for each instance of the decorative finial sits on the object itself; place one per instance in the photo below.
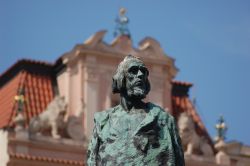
(20, 119)
(221, 128)
(20, 99)
(122, 11)
(122, 24)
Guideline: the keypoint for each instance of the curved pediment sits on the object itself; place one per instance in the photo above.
(96, 38)
(151, 47)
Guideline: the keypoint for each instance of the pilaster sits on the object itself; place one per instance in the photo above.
(91, 93)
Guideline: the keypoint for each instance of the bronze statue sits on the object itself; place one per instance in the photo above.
(134, 132)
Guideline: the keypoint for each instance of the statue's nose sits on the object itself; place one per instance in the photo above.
(140, 73)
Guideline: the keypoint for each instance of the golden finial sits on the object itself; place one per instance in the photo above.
(20, 99)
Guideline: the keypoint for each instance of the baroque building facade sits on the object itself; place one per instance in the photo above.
(46, 110)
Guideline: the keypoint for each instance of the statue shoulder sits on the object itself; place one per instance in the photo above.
(102, 116)
(163, 115)
(159, 109)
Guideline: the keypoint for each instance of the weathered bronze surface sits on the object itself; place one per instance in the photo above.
(134, 132)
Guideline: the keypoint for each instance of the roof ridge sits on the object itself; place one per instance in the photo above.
(184, 83)
(23, 60)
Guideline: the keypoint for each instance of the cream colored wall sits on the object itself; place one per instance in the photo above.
(4, 157)
(75, 89)
(63, 84)
(160, 93)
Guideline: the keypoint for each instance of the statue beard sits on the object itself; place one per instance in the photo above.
(136, 92)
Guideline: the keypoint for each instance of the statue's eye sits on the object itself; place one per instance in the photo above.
(144, 70)
(133, 70)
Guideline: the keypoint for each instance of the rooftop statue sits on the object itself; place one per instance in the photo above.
(192, 143)
(134, 132)
(52, 118)
(122, 24)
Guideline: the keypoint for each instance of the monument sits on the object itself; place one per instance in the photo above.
(134, 132)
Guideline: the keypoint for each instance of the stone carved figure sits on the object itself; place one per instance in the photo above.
(191, 141)
(52, 117)
(134, 132)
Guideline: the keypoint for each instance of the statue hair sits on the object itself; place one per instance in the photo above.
(119, 81)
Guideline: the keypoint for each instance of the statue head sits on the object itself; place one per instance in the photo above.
(131, 78)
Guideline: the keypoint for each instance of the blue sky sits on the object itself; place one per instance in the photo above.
(210, 41)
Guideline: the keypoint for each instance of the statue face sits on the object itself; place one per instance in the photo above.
(136, 76)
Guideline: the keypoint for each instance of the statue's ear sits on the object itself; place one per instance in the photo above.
(148, 86)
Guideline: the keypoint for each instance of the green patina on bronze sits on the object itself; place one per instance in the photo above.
(134, 132)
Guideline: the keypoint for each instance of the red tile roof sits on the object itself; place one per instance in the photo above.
(36, 78)
(46, 159)
(181, 103)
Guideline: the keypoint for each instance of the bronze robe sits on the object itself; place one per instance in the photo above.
(155, 141)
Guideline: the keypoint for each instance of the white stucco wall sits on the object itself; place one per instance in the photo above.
(4, 157)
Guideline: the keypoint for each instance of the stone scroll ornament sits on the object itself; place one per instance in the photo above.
(134, 133)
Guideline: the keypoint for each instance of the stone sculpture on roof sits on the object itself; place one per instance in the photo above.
(134, 132)
(121, 24)
(191, 141)
(19, 120)
(52, 117)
